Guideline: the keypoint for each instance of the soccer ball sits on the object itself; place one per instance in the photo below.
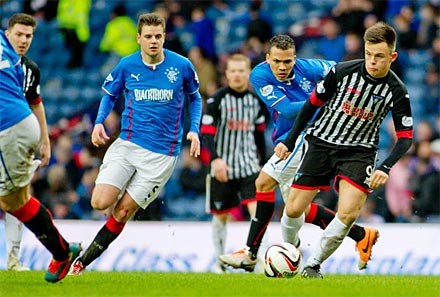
(282, 260)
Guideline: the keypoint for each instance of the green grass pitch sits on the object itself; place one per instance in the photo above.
(121, 284)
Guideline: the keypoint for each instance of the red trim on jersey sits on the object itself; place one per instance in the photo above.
(315, 100)
(312, 213)
(208, 129)
(114, 226)
(130, 120)
(347, 179)
(311, 188)
(265, 196)
(27, 211)
(205, 155)
(34, 101)
(176, 130)
(404, 134)
(261, 127)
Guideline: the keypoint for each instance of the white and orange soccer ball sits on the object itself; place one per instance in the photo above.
(282, 260)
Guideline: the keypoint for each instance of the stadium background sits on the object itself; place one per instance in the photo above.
(71, 97)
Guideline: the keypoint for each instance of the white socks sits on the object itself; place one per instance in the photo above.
(218, 236)
(290, 228)
(14, 232)
(331, 239)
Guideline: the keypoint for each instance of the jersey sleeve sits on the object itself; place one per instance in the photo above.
(114, 82)
(32, 94)
(402, 115)
(327, 87)
(191, 79)
(273, 96)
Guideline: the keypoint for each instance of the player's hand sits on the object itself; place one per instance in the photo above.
(378, 179)
(45, 154)
(194, 150)
(220, 169)
(99, 137)
(281, 151)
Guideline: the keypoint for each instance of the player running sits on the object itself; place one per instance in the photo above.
(284, 83)
(155, 82)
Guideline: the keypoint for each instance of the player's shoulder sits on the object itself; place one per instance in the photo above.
(29, 63)
(395, 82)
(261, 70)
(175, 57)
(219, 94)
(349, 65)
(306, 63)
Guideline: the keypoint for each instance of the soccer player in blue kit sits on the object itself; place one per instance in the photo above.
(138, 164)
(20, 136)
(20, 34)
(284, 83)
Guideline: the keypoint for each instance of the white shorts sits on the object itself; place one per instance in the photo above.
(283, 171)
(17, 151)
(140, 172)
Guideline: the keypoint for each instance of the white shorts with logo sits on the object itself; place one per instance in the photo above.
(283, 171)
(17, 151)
(140, 172)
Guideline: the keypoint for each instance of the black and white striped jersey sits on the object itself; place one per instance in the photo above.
(356, 104)
(232, 118)
(31, 86)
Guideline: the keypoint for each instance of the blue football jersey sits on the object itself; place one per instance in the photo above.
(284, 99)
(13, 104)
(155, 95)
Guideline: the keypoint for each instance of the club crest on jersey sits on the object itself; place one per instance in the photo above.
(407, 121)
(172, 74)
(108, 78)
(377, 98)
(306, 85)
(266, 90)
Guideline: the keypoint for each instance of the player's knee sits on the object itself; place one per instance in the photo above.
(262, 184)
(292, 211)
(98, 204)
(347, 218)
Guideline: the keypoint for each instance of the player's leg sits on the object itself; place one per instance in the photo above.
(265, 195)
(13, 233)
(219, 233)
(365, 237)
(39, 221)
(125, 208)
(350, 202)
(112, 180)
(142, 174)
(221, 198)
(15, 198)
(248, 193)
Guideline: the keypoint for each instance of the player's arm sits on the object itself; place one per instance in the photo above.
(38, 110)
(274, 97)
(403, 124)
(99, 136)
(283, 149)
(209, 130)
(195, 109)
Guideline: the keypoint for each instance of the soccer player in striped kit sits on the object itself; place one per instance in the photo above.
(284, 83)
(233, 131)
(342, 142)
(155, 82)
(20, 33)
(20, 135)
